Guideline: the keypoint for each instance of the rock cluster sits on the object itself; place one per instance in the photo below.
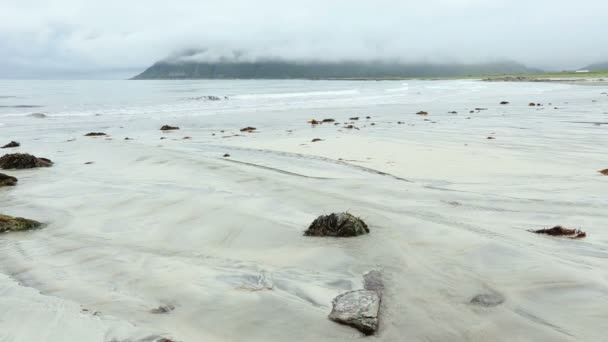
(11, 144)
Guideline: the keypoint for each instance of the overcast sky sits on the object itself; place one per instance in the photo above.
(118, 37)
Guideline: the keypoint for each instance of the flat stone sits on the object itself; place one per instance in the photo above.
(358, 309)
(488, 299)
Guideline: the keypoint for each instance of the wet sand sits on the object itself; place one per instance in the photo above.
(172, 222)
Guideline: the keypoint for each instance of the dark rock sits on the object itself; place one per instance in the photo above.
(337, 225)
(23, 161)
(532, 104)
(504, 102)
(11, 144)
(169, 128)
(163, 309)
(37, 115)
(372, 124)
(95, 134)
(354, 118)
(6, 180)
(248, 129)
(453, 112)
(88, 163)
(368, 117)
(604, 172)
(127, 138)
(480, 109)
(316, 139)
(358, 309)
(226, 155)
(328, 120)
(187, 138)
(561, 231)
(472, 111)
(314, 122)
(9, 223)
(491, 138)
(488, 299)
(422, 113)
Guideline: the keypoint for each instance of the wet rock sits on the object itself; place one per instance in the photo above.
(169, 128)
(163, 309)
(6, 180)
(248, 129)
(316, 140)
(9, 223)
(226, 155)
(532, 104)
(491, 138)
(358, 309)
(127, 138)
(23, 161)
(37, 115)
(471, 111)
(372, 281)
(187, 138)
(95, 134)
(11, 144)
(488, 299)
(453, 112)
(314, 122)
(354, 118)
(337, 225)
(504, 102)
(328, 120)
(561, 231)
(88, 163)
(604, 172)
(422, 113)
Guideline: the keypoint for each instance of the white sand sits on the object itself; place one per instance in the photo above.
(156, 222)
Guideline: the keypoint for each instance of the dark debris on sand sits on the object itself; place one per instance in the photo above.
(11, 144)
(248, 129)
(561, 231)
(169, 128)
(95, 134)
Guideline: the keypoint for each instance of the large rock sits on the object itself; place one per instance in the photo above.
(9, 223)
(6, 180)
(358, 309)
(23, 161)
(337, 225)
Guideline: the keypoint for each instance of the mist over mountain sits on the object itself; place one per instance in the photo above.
(194, 64)
(597, 67)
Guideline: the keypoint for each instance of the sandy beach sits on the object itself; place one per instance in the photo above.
(160, 220)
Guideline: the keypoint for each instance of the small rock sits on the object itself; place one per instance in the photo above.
(453, 112)
(349, 126)
(6, 180)
(358, 309)
(23, 161)
(226, 155)
(94, 134)
(491, 138)
(37, 115)
(354, 118)
(163, 309)
(88, 163)
(532, 104)
(316, 139)
(373, 124)
(422, 113)
(187, 138)
(368, 117)
(480, 109)
(504, 102)
(561, 231)
(11, 144)
(9, 223)
(169, 128)
(314, 122)
(328, 120)
(488, 299)
(604, 172)
(127, 138)
(337, 225)
(248, 129)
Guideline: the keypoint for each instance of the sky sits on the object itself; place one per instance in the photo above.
(119, 38)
